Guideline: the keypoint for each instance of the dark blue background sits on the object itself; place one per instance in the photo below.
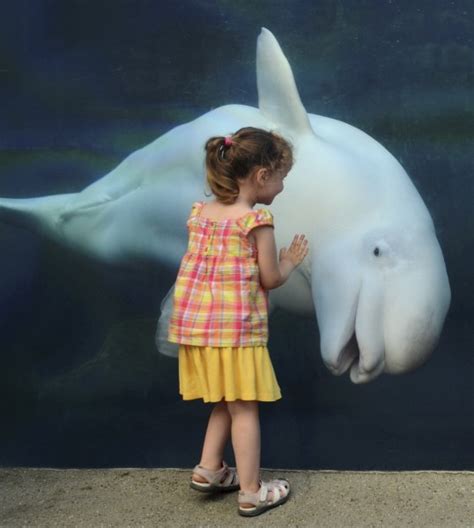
(83, 84)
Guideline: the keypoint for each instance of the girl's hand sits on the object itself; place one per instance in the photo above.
(296, 252)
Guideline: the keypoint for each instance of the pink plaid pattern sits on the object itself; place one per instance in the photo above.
(218, 298)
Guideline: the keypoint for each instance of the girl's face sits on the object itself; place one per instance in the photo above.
(270, 184)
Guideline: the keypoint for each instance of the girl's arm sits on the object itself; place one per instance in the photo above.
(273, 271)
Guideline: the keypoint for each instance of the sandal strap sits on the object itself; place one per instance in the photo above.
(215, 477)
(231, 478)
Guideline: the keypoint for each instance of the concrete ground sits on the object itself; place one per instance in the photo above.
(162, 498)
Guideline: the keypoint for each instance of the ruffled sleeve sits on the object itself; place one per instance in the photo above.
(195, 208)
(254, 219)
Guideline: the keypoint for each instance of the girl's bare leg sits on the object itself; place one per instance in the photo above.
(246, 442)
(217, 434)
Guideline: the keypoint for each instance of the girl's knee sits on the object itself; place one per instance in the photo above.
(242, 406)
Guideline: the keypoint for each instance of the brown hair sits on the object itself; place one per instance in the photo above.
(237, 156)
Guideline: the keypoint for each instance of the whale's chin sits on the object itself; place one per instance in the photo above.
(349, 358)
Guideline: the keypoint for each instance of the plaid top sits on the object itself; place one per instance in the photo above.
(218, 298)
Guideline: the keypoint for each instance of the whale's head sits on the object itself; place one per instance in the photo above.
(381, 297)
(378, 277)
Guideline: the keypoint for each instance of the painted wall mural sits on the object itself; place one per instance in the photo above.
(101, 156)
(376, 274)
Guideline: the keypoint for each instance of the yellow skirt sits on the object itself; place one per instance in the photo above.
(229, 373)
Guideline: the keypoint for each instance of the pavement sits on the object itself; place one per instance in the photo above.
(131, 497)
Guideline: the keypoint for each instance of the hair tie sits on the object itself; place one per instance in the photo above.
(228, 141)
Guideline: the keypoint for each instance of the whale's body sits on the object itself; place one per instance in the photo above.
(375, 275)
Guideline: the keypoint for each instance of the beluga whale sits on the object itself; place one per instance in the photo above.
(374, 278)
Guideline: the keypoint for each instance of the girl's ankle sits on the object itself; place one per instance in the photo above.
(250, 489)
(211, 467)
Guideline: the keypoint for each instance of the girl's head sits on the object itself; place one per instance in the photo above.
(251, 155)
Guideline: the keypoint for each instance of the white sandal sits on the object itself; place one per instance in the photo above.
(280, 489)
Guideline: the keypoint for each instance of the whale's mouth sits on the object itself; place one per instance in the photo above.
(350, 359)
(349, 355)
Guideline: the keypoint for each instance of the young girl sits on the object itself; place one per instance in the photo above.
(220, 312)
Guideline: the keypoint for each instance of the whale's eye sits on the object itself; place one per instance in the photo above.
(376, 251)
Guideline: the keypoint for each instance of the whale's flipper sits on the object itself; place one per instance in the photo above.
(39, 214)
(278, 97)
(161, 334)
(127, 177)
(76, 207)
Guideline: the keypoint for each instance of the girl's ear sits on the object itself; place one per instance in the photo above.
(261, 176)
